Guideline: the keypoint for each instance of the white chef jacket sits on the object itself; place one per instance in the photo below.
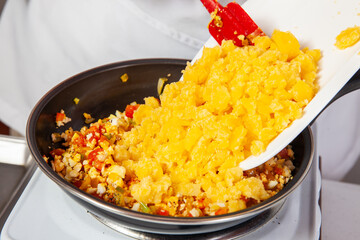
(44, 42)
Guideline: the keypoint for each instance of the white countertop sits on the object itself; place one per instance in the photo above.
(340, 207)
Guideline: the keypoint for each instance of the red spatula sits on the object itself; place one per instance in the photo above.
(231, 23)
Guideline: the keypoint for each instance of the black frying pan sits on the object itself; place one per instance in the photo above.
(101, 92)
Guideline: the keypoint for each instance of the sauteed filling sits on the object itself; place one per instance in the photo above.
(179, 155)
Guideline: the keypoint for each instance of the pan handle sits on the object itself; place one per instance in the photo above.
(352, 85)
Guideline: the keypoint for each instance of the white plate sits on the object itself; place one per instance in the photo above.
(315, 24)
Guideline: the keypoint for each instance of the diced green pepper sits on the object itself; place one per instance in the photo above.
(119, 189)
(144, 208)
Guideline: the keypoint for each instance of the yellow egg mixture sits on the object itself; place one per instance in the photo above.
(186, 147)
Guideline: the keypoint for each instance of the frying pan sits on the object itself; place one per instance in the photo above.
(101, 92)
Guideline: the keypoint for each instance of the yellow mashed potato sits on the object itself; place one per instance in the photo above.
(186, 148)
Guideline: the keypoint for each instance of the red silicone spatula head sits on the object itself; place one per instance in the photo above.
(231, 23)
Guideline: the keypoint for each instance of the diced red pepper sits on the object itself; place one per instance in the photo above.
(96, 195)
(93, 159)
(57, 152)
(103, 138)
(93, 154)
(79, 140)
(77, 183)
(60, 117)
(130, 109)
(278, 170)
(95, 133)
(221, 211)
(163, 212)
(284, 153)
(201, 204)
(98, 165)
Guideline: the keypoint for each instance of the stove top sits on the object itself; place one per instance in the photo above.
(44, 211)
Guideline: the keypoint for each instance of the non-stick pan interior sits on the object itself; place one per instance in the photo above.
(101, 92)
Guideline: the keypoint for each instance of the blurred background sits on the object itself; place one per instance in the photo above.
(3, 128)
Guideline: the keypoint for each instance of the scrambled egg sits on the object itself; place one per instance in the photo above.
(180, 156)
(348, 37)
(231, 103)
